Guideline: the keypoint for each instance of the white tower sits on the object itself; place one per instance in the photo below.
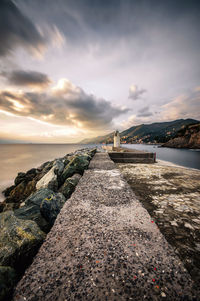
(116, 139)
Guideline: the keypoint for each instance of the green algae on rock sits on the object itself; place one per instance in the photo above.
(34, 210)
(51, 206)
(69, 186)
(76, 165)
(19, 240)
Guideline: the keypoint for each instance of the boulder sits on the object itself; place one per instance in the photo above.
(58, 165)
(24, 186)
(2, 205)
(7, 281)
(45, 166)
(19, 240)
(42, 170)
(9, 206)
(93, 151)
(69, 186)
(20, 177)
(51, 178)
(51, 206)
(20, 193)
(66, 160)
(29, 188)
(7, 191)
(28, 176)
(16, 194)
(42, 207)
(31, 208)
(31, 172)
(77, 165)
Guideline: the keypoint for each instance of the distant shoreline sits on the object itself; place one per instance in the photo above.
(168, 163)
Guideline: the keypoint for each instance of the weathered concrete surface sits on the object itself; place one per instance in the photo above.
(126, 155)
(171, 194)
(105, 246)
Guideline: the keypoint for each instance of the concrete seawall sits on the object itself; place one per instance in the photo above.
(105, 246)
(126, 155)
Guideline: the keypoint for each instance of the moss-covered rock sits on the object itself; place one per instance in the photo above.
(31, 208)
(17, 193)
(51, 179)
(69, 186)
(21, 192)
(19, 240)
(20, 177)
(9, 206)
(8, 190)
(42, 207)
(7, 281)
(25, 184)
(51, 206)
(76, 165)
(30, 188)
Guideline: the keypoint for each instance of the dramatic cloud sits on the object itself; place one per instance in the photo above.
(144, 112)
(103, 47)
(27, 78)
(135, 93)
(66, 104)
(17, 30)
(183, 106)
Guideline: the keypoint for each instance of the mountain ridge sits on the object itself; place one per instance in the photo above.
(157, 132)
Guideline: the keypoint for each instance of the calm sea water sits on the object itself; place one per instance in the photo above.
(15, 158)
(184, 157)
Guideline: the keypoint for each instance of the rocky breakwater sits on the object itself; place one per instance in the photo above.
(30, 209)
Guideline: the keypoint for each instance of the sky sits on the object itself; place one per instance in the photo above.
(75, 69)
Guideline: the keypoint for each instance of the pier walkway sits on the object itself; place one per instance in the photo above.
(104, 246)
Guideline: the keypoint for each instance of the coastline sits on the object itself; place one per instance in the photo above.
(168, 163)
(22, 157)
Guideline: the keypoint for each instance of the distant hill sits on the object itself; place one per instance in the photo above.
(158, 132)
(187, 137)
(99, 139)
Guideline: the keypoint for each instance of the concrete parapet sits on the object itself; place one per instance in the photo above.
(123, 155)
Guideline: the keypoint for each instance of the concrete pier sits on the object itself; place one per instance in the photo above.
(105, 246)
(126, 155)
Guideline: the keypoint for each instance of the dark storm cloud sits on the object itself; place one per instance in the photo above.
(111, 18)
(17, 30)
(144, 112)
(69, 105)
(27, 78)
(91, 21)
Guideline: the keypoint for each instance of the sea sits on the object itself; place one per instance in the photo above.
(16, 158)
(183, 157)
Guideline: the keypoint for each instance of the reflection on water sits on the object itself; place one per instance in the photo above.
(16, 158)
(184, 157)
